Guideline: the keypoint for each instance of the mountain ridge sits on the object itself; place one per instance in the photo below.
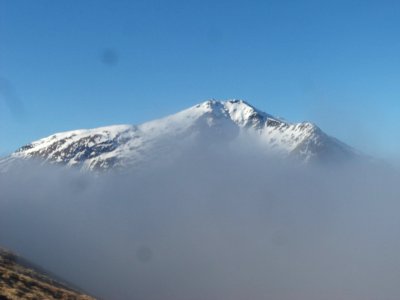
(212, 121)
(20, 279)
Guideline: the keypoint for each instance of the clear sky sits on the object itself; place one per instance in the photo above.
(86, 63)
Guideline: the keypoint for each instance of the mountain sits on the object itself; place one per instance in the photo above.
(20, 279)
(203, 125)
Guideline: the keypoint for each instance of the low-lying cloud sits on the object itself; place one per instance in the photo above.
(211, 226)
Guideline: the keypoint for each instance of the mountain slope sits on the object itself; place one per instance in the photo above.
(164, 139)
(21, 280)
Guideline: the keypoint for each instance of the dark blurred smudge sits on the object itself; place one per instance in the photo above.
(144, 254)
(109, 57)
(10, 98)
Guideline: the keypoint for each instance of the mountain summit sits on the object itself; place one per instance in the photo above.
(207, 123)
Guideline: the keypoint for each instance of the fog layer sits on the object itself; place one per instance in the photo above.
(212, 226)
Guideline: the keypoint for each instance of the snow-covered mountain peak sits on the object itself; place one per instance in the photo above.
(246, 115)
(238, 111)
(164, 139)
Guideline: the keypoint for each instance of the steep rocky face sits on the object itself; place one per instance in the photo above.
(210, 122)
(21, 280)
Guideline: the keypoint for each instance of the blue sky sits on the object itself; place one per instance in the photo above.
(79, 64)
